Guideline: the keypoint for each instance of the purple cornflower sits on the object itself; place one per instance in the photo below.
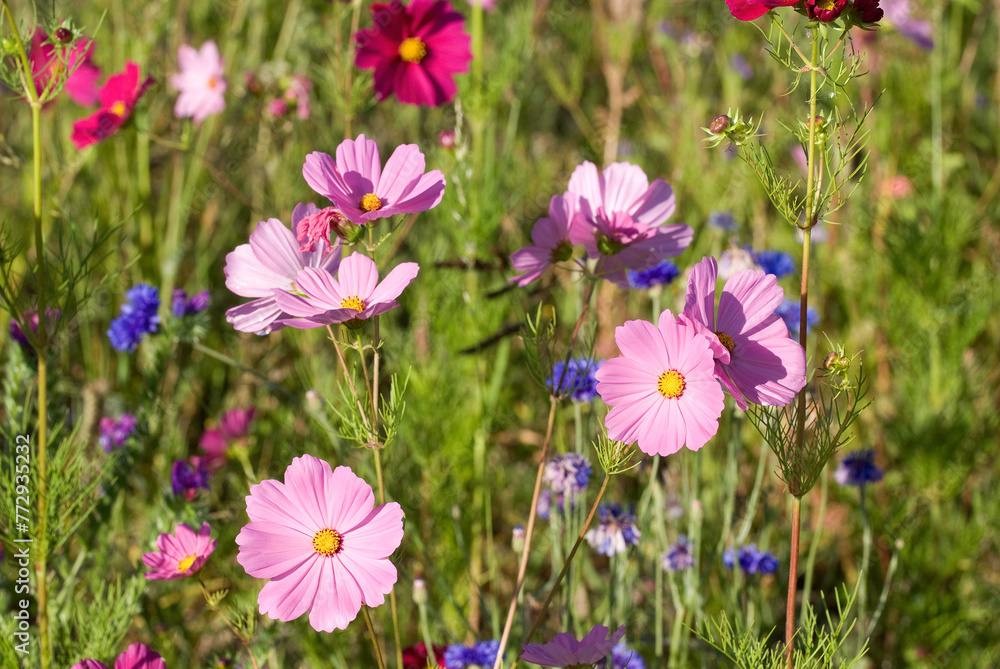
(778, 263)
(568, 474)
(31, 321)
(751, 560)
(623, 657)
(616, 532)
(186, 477)
(481, 654)
(678, 557)
(565, 651)
(544, 506)
(898, 13)
(138, 317)
(857, 469)
(723, 220)
(182, 306)
(741, 66)
(115, 432)
(790, 311)
(663, 273)
(575, 378)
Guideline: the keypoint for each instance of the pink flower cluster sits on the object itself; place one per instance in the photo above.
(664, 388)
(616, 215)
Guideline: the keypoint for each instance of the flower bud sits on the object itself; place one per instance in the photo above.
(62, 35)
(720, 124)
(419, 592)
(447, 140)
(517, 539)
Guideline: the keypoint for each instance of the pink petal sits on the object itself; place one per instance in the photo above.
(271, 550)
(699, 302)
(748, 298)
(290, 596)
(358, 276)
(360, 156)
(394, 283)
(257, 316)
(377, 534)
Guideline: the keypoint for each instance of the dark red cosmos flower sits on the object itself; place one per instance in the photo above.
(415, 657)
(748, 10)
(867, 11)
(825, 10)
(415, 51)
(118, 97)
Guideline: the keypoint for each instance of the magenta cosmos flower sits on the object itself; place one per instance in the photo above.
(271, 260)
(355, 294)
(48, 67)
(622, 215)
(118, 97)
(136, 656)
(565, 651)
(552, 239)
(356, 183)
(662, 388)
(180, 554)
(748, 10)
(754, 358)
(200, 82)
(415, 51)
(322, 542)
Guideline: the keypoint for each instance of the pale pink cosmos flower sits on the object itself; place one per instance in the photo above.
(200, 82)
(565, 651)
(662, 388)
(354, 295)
(320, 539)
(623, 215)
(180, 554)
(271, 260)
(754, 357)
(356, 183)
(551, 237)
(136, 656)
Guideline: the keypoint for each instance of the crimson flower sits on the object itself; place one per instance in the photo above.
(825, 10)
(415, 51)
(748, 10)
(118, 97)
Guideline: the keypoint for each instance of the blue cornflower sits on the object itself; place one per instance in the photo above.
(186, 478)
(568, 474)
(544, 506)
(481, 654)
(623, 657)
(664, 272)
(138, 317)
(182, 306)
(578, 380)
(857, 469)
(678, 557)
(751, 560)
(616, 531)
(790, 311)
(722, 220)
(778, 263)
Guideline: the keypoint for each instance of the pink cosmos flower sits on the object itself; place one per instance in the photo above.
(180, 554)
(662, 388)
(235, 423)
(136, 656)
(552, 240)
(271, 260)
(415, 51)
(200, 82)
(748, 10)
(623, 213)
(565, 651)
(354, 295)
(216, 449)
(754, 358)
(118, 97)
(47, 66)
(362, 191)
(322, 542)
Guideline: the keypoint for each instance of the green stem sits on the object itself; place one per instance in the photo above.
(371, 633)
(793, 570)
(814, 547)
(866, 551)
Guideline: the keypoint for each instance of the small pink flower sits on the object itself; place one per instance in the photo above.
(565, 651)
(235, 423)
(136, 656)
(47, 67)
(552, 240)
(363, 191)
(180, 554)
(354, 295)
(316, 228)
(415, 51)
(748, 10)
(271, 260)
(320, 539)
(297, 93)
(754, 357)
(200, 82)
(662, 388)
(216, 449)
(118, 98)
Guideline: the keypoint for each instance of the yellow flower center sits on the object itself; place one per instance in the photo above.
(826, 4)
(326, 542)
(212, 82)
(371, 202)
(118, 109)
(186, 563)
(353, 302)
(726, 340)
(670, 384)
(412, 50)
